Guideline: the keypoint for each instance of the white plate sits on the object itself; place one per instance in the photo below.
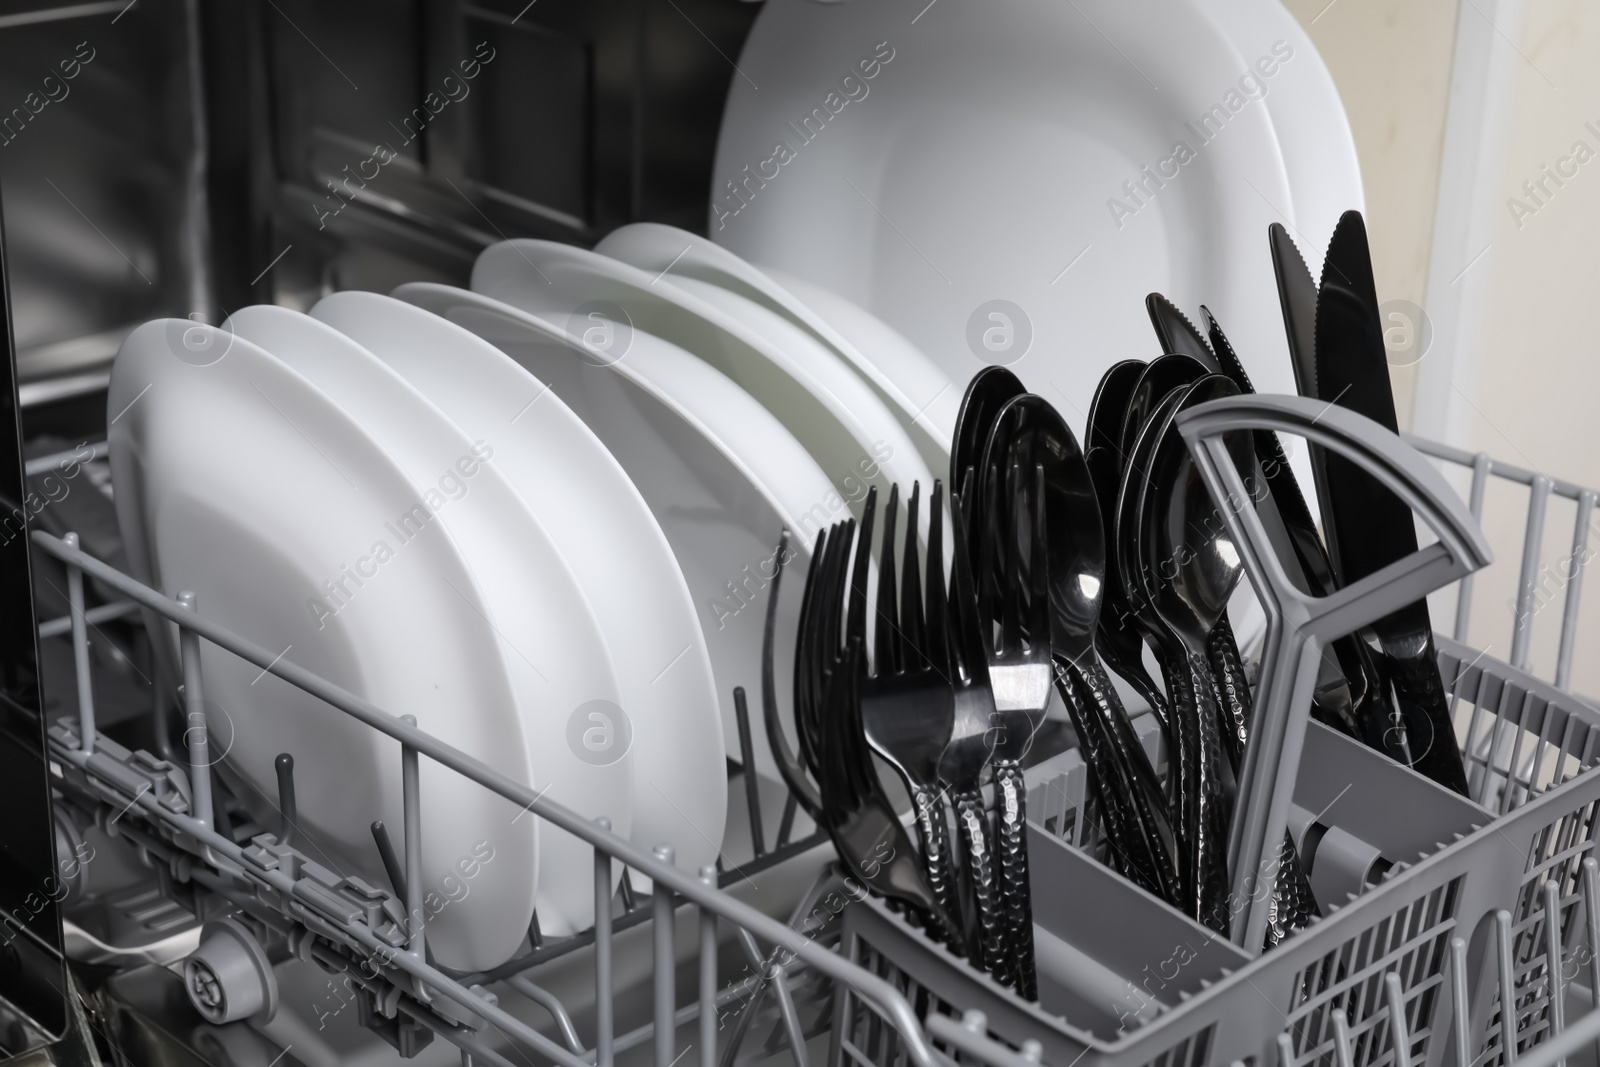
(980, 163)
(852, 435)
(922, 396)
(546, 632)
(721, 476)
(237, 479)
(609, 538)
(1313, 131)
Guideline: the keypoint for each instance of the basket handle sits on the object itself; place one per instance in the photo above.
(1300, 625)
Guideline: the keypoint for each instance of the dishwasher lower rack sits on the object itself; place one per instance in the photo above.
(1411, 970)
(262, 892)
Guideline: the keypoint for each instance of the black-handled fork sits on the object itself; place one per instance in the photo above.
(855, 812)
(1020, 678)
(906, 707)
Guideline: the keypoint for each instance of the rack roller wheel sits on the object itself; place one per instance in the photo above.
(228, 977)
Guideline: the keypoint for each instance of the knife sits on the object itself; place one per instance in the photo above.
(1283, 510)
(1367, 526)
(1297, 295)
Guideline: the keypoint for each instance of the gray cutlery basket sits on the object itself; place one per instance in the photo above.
(1437, 909)
(1126, 979)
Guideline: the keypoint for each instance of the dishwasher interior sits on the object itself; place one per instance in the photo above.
(185, 159)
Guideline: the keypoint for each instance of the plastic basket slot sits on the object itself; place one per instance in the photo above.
(1519, 737)
(1557, 850)
(1190, 1052)
(1411, 942)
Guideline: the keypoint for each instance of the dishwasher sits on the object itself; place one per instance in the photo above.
(185, 159)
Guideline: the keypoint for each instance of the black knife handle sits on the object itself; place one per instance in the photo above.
(1011, 850)
(1146, 801)
(933, 834)
(986, 930)
(1414, 671)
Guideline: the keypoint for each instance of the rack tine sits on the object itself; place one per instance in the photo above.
(1397, 1021)
(603, 1005)
(752, 786)
(1341, 1040)
(1461, 1027)
(1591, 902)
(708, 974)
(1508, 988)
(194, 732)
(288, 812)
(411, 801)
(792, 770)
(1552, 960)
(80, 652)
(665, 966)
(391, 862)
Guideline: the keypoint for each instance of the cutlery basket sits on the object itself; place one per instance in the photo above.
(1437, 909)
(1183, 997)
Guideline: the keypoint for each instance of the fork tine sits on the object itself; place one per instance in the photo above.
(912, 633)
(1013, 523)
(857, 756)
(985, 518)
(887, 628)
(805, 652)
(937, 648)
(838, 593)
(830, 605)
(967, 646)
(1039, 566)
(856, 626)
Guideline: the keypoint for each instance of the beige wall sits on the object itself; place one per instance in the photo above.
(1391, 62)
(1532, 393)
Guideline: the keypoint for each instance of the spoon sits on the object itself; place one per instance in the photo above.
(1159, 378)
(1034, 435)
(1158, 566)
(986, 394)
(1118, 640)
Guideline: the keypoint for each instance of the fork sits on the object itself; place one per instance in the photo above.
(1020, 677)
(865, 832)
(906, 707)
(972, 739)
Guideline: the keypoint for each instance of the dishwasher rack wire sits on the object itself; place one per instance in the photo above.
(379, 938)
(1541, 488)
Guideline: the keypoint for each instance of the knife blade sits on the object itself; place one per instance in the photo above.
(1297, 296)
(1367, 526)
(1177, 334)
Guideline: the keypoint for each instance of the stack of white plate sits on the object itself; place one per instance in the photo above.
(1004, 182)
(542, 516)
